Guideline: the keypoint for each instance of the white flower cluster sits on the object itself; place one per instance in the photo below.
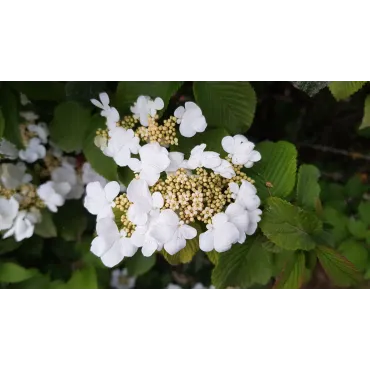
(171, 197)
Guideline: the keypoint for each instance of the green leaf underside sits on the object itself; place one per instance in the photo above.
(288, 226)
(308, 188)
(292, 276)
(355, 252)
(139, 265)
(344, 89)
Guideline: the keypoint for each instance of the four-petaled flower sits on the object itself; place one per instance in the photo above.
(33, 151)
(14, 175)
(191, 119)
(110, 113)
(144, 106)
(200, 158)
(53, 194)
(8, 212)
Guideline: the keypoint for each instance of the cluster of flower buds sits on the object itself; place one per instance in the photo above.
(172, 199)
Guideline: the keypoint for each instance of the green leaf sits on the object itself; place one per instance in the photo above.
(83, 91)
(103, 165)
(128, 92)
(71, 220)
(7, 245)
(243, 265)
(227, 104)
(366, 117)
(125, 175)
(354, 187)
(46, 228)
(308, 188)
(288, 226)
(364, 212)
(344, 89)
(271, 247)
(69, 125)
(10, 109)
(2, 124)
(277, 169)
(83, 279)
(311, 88)
(357, 228)
(42, 90)
(139, 265)
(338, 268)
(338, 221)
(355, 252)
(213, 256)
(292, 276)
(13, 273)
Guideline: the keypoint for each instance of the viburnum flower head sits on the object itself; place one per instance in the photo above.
(221, 234)
(8, 212)
(144, 107)
(240, 150)
(99, 200)
(111, 245)
(110, 113)
(33, 151)
(8, 149)
(121, 144)
(154, 159)
(14, 175)
(53, 194)
(191, 119)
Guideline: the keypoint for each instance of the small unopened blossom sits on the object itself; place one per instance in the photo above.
(8, 149)
(111, 245)
(53, 194)
(8, 212)
(14, 175)
(191, 119)
(145, 107)
(221, 234)
(200, 158)
(240, 150)
(99, 200)
(120, 279)
(110, 113)
(33, 151)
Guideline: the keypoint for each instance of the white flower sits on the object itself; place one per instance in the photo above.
(143, 201)
(221, 234)
(177, 161)
(240, 150)
(67, 173)
(24, 224)
(254, 218)
(121, 280)
(240, 218)
(24, 99)
(89, 175)
(8, 149)
(144, 107)
(33, 151)
(99, 200)
(41, 130)
(53, 194)
(154, 159)
(173, 286)
(225, 169)
(110, 244)
(101, 142)
(181, 232)
(121, 144)
(200, 158)
(191, 119)
(245, 195)
(29, 116)
(14, 175)
(110, 113)
(8, 212)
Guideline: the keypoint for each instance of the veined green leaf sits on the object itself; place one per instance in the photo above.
(344, 89)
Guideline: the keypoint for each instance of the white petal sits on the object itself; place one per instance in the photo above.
(187, 232)
(255, 156)
(138, 189)
(111, 190)
(187, 130)
(228, 144)
(134, 164)
(158, 103)
(114, 255)
(99, 246)
(211, 159)
(175, 245)
(206, 241)
(225, 237)
(97, 103)
(149, 247)
(157, 199)
(122, 157)
(219, 219)
(129, 249)
(104, 98)
(150, 175)
(179, 112)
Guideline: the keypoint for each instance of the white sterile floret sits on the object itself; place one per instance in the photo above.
(53, 194)
(8, 149)
(89, 175)
(245, 195)
(143, 201)
(29, 116)
(182, 232)
(240, 150)
(120, 279)
(33, 151)
(99, 200)
(24, 99)
(8, 211)
(144, 106)
(24, 224)
(200, 158)
(41, 130)
(254, 219)
(67, 173)
(110, 113)
(177, 161)
(154, 159)
(221, 234)
(191, 119)
(239, 216)
(225, 169)
(111, 245)
(121, 144)
(14, 175)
